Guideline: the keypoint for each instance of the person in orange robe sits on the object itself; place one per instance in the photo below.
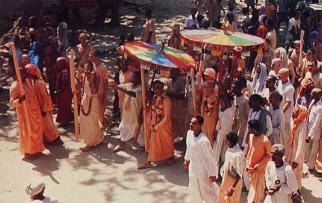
(30, 138)
(209, 104)
(257, 156)
(45, 104)
(161, 143)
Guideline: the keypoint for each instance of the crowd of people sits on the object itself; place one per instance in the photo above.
(254, 124)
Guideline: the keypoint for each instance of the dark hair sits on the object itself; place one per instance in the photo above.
(273, 78)
(241, 83)
(277, 95)
(230, 16)
(193, 10)
(258, 98)
(232, 137)
(268, 41)
(245, 10)
(199, 119)
(255, 124)
(270, 23)
(158, 82)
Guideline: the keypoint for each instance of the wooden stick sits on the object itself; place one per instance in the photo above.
(73, 86)
(146, 138)
(193, 89)
(22, 91)
(301, 50)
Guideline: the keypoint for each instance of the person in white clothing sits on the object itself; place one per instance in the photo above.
(232, 171)
(279, 177)
(201, 163)
(130, 124)
(191, 21)
(224, 125)
(314, 135)
(287, 102)
(278, 120)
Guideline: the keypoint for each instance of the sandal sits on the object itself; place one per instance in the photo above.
(145, 166)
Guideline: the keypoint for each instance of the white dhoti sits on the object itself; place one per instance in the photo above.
(201, 190)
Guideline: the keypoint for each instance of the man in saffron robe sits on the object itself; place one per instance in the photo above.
(30, 137)
(257, 156)
(161, 144)
(45, 103)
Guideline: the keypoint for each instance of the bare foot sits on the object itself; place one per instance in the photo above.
(86, 149)
(145, 166)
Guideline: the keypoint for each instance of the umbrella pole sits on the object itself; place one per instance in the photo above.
(22, 91)
(146, 139)
(192, 73)
(73, 86)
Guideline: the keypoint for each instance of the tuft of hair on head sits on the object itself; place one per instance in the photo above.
(200, 119)
(279, 149)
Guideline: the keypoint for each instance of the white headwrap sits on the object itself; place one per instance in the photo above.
(35, 187)
(259, 80)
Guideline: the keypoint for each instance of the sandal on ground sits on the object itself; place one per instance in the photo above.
(145, 166)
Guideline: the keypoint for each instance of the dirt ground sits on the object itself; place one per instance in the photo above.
(100, 175)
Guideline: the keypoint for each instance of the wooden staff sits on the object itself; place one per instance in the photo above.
(301, 48)
(22, 91)
(146, 138)
(73, 86)
(192, 73)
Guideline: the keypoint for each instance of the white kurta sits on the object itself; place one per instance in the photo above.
(130, 114)
(224, 126)
(287, 180)
(202, 166)
(278, 122)
(234, 158)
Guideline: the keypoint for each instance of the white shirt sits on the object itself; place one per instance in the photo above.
(315, 121)
(287, 180)
(288, 95)
(234, 158)
(199, 153)
(190, 22)
(271, 35)
(278, 120)
(225, 121)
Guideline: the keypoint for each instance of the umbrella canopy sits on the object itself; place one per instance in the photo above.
(149, 54)
(217, 39)
(316, 7)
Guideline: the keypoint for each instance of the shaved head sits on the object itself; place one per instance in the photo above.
(283, 71)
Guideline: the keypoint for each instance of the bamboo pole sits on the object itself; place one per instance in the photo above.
(73, 86)
(22, 91)
(146, 138)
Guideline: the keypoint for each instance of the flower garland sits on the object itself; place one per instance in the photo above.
(208, 108)
(158, 108)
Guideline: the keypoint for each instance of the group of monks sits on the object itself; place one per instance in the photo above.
(259, 131)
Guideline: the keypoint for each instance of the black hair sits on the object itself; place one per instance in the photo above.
(232, 137)
(277, 95)
(241, 82)
(193, 10)
(245, 10)
(199, 118)
(268, 41)
(96, 52)
(273, 77)
(255, 124)
(230, 16)
(270, 23)
(258, 98)
(158, 82)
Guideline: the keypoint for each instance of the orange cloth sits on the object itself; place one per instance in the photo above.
(318, 163)
(161, 144)
(227, 183)
(262, 31)
(303, 114)
(46, 105)
(210, 114)
(29, 142)
(258, 155)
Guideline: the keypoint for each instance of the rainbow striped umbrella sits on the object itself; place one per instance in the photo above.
(148, 54)
(216, 39)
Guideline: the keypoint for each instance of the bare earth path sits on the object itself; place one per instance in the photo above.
(101, 175)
